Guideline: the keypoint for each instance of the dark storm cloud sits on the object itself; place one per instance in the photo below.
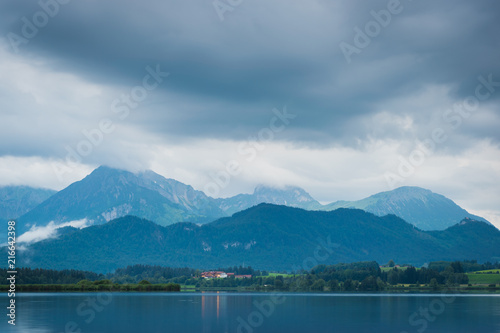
(226, 76)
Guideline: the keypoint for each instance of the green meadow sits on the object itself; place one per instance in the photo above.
(491, 276)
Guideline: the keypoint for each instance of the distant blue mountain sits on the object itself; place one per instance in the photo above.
(288, 196)
(18, 200)
(109, 193)
(420, 207)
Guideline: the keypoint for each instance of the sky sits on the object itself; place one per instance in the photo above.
(342, 98)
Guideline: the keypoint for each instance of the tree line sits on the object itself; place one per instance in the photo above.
(129, 274)
(360, 276)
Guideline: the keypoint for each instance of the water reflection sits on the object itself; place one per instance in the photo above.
(219, 312)
(211, 302)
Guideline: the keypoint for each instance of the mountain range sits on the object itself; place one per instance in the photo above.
(18, 200)
(266, 237)
(288, 196)
(107, 194)
(420, 207)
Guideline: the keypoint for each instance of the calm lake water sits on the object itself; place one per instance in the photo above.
(252, 312)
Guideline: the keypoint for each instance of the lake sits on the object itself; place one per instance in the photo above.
(252, 312)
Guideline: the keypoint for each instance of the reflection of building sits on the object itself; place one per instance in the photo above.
(211, 305)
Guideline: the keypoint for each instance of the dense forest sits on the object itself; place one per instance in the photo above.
(129, 274)
(269, 237)
(360, 276)
(49, 276)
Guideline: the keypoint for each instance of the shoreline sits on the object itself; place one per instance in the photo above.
(50, 288)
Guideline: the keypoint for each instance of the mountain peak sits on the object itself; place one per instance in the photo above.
(293, 191)
(411, 189)
(288, 196)
(103, 169)
(468, 220)
(108, 193)
(18, 200)
(407, 191)
(421, 207)
(105, 172)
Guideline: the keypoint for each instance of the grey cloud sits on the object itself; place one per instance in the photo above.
(227, 76)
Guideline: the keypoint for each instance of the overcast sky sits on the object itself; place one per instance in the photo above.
(342, 98)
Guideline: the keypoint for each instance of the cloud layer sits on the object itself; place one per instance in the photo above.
(75, 93)
(36, 234)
